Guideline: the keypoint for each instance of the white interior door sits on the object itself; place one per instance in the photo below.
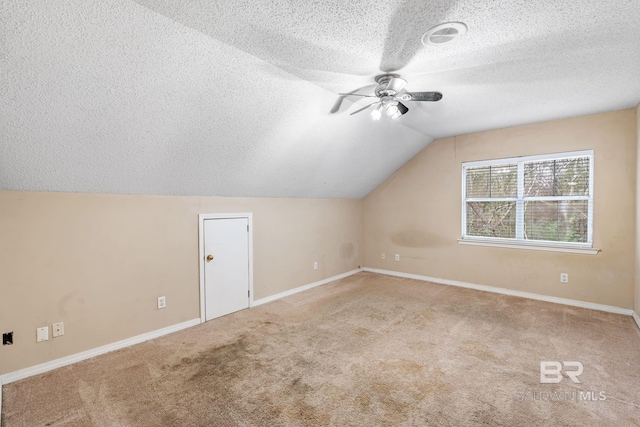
(226, 266)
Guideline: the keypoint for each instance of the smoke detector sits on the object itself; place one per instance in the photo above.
(443, 33)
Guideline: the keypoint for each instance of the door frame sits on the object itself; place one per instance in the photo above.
(201, 254)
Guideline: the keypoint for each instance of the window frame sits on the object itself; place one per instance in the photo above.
(519, 241)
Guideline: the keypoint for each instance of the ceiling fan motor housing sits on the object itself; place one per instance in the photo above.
(389, 84)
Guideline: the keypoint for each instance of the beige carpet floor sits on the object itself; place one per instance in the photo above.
(368, 350)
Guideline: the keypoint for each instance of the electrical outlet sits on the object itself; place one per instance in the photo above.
(42, 334)
(7, 338)
(397, 257)
(57, 329)
(564, 277)
(382, 256)
(162, 302)
(315, 265)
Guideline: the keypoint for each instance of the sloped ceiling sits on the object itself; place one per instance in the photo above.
(234, 98)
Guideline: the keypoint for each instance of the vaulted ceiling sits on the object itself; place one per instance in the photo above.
(234, 97)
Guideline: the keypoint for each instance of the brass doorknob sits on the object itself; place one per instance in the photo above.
(209, 257)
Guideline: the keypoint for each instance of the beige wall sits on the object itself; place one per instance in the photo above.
(98, 262)
(417, 213)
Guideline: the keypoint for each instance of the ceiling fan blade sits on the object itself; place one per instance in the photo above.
(423, 96)
(338, 103)
(402, 108)
(357, 94)
(364, 108)
(396, 84)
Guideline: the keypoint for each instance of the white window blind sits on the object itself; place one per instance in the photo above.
(530, 199)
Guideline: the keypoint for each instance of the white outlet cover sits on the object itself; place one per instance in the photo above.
(162, 302)
(382, 256)
(564, 277)
(397, 257)
(315, 265)
(42, 334)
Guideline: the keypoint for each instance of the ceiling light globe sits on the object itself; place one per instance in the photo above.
(392, 110)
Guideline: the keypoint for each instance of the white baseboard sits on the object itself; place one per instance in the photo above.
(556, 300)
(304, 288)
(636, 318)
(68, 360)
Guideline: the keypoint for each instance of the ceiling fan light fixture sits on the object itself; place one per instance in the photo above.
(398, 110)
(392, 110)
(377, 112)
(402, 108)
(444, 33)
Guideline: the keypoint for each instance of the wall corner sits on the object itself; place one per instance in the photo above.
(636, 304)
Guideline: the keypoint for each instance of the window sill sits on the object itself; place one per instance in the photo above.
(533, 247)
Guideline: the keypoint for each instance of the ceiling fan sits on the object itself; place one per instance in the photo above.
(390, 94)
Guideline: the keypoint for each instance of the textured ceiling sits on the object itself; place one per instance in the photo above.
(233, 98)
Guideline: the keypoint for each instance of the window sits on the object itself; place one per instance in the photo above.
(543, 200)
